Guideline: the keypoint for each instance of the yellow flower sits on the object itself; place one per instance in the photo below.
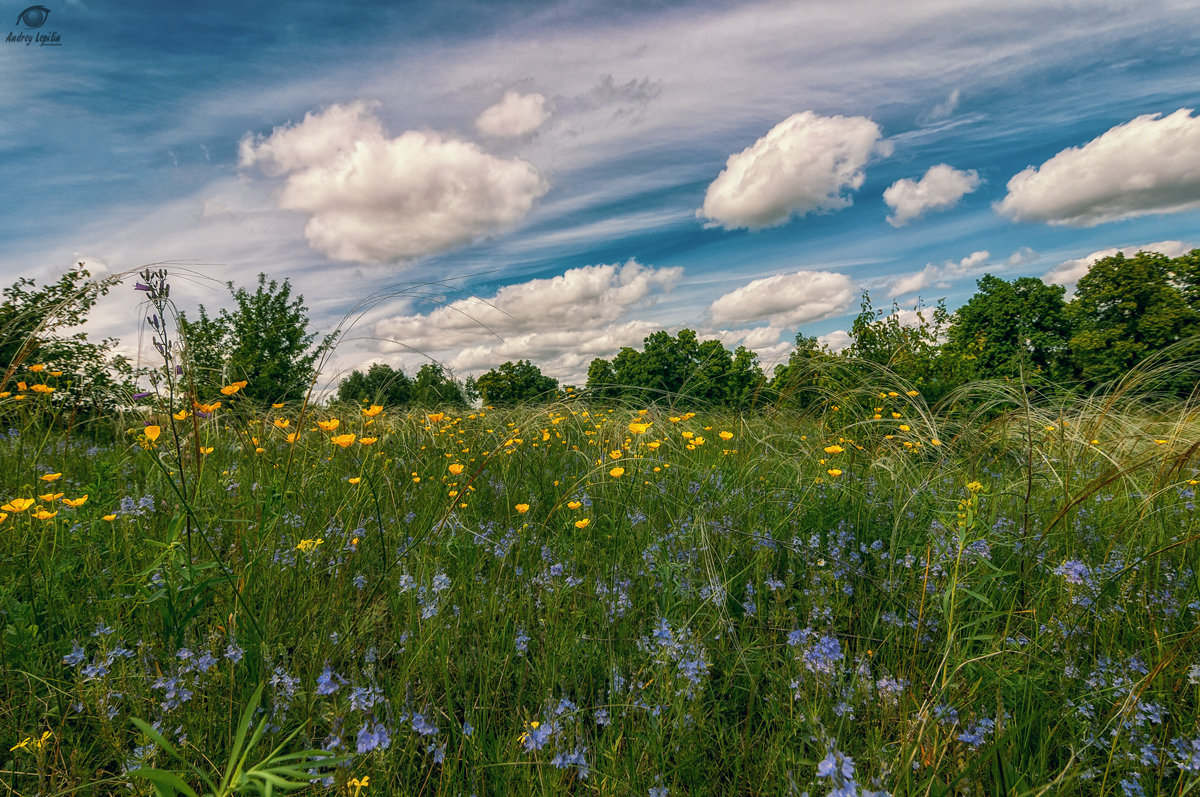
(282, 423)
(3, 516)
(615, 454)
(42, 514)
(230, 389)
(308, 546)
(343, 440)
(455, 468)
(639, 428)
(1160, 442)
(56, 373)
(522, 508)
(181, 415)
(974, 486)
(582, 524)
(49, 477)
(904, 427)
(206, 449)
(834, 449)
(688, 435)
(935, 442)
(291, 438)
(436, 417)
(50, 496)
(6, 394)
(617, 473)
(36, 368)
(834, 472)
(42, 389)
(574, 504)
(277, 406)
(374, 410)
(653, 445)
(109, 518)
(726, 435)
(22, 386)
(329, 425)
(206, 408)
(152, 432)
(260, 450)
(366, 441)
(913, 393)
(354, 479)
(359, 783)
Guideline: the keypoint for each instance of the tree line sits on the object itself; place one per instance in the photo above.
(1123, 311)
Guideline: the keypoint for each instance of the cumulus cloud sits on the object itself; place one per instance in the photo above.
(515, 115)
(1069, 272)
(934, 274)
(836, 341)
(579, 300)
(1148, 165)
(785, 300)
(373, 198)
(806, 163)
(940, 188)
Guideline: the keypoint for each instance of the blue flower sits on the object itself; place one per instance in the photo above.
(373, 735)
(329, 681)
(76, 655)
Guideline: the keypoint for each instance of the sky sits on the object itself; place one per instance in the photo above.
(476, 182)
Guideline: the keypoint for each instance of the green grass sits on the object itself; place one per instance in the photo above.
(730, 615)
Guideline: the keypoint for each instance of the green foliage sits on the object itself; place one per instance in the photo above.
(264, 341)
(1009, 330)
(433, 387)
(35, 326)
(911, 351)
(678, 368)
(516, 383)
(1125, 309)
(381, 384)
(278, 771)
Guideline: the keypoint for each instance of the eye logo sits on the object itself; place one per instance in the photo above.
(33, 17)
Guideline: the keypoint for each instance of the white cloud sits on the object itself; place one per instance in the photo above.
(578, 301)
(1147, 165)
(515, 115)
(836, 341)
(1069, 272)
(940, 188)
(785, 300)
(934, 274)
(806, 163)
(373, 198)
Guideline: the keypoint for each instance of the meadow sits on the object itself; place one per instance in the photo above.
(870, 596)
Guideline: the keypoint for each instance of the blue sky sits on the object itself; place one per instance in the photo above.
(481, 182)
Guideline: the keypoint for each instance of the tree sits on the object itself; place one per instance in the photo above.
(264, 341)
(1010, 329)
(34, 324)
(602, 379)
(515, 383)
(381, 384)
(1123, 310)
(911, 351)
(797, 381)
(433, 387)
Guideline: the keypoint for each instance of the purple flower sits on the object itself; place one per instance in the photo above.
(76, 656)
(373, 735)
(143, 394)
(141, 286)
(329, 681)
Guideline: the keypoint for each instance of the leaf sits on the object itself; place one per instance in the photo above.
(165, 783)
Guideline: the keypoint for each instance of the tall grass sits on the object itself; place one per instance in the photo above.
(873, 595)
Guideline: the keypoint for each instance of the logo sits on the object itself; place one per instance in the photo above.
(33, 17)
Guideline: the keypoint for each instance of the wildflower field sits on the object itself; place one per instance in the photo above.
(872, 596)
